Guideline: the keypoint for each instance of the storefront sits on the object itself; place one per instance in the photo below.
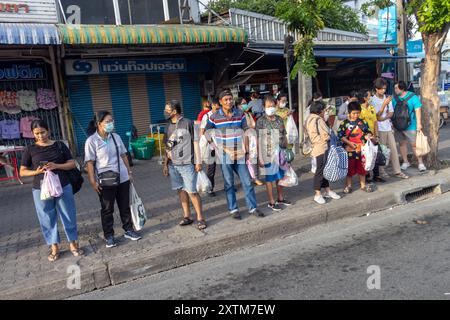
(135, 83)
(28, 73)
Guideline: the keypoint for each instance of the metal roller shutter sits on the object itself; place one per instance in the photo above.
(82, 111)
(155, 89)
(101, 96)
(139, 102)
(190, 88)
(121, 105)
(172, 87)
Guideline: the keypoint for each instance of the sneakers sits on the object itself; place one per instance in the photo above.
(274, 207)
(405, 165)
(236, 215)
(257, 213)
(111, 242)
(284, 202)
(132, 235)
(422, 167)
(319, 199)
(332, 195)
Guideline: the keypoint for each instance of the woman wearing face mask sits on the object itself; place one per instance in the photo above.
(45, 155)
(109, 175)
(272, 137)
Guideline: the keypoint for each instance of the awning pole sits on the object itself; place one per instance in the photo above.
(57, 92)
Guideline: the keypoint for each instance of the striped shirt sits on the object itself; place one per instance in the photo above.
(228, 132)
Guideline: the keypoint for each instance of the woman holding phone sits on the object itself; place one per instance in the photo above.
(44, 155)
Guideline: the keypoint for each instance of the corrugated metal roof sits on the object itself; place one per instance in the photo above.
(149, 34)
(27, 33)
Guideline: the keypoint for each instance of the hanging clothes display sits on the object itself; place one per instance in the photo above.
(10, 129)
(8, 102)
(46, 99)
(27, 100)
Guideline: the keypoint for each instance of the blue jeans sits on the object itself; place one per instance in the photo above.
(48, 210)
(246, 181)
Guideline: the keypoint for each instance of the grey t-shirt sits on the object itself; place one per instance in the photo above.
(104, 153)
(179, 141)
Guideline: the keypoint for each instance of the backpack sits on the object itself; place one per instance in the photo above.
(336, 166)
(74, 175)
(402, 117)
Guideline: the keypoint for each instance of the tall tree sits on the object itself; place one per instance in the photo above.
(433, 21)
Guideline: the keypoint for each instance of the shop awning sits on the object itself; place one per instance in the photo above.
(21, 33)
(149, 34)
(357, 53)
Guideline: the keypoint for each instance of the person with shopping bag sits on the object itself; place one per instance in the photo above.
(48, 157)
(319, 135)
(182, 152)
(109, 175)
(272, 139)
(354, 133)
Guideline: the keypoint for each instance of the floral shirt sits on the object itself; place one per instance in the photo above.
(354, 131)
(268, 131)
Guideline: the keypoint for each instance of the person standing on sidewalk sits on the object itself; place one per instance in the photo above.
(272, 137)
(47, 154)
(181, 152)
(256, 104)
(319, 134)
(211, 167)
(206, 108)
(409, 135)
(106, 159)
(229, 125)
(369, 115)
(385, 111)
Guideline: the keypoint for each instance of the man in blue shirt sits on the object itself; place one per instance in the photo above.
(409, 135)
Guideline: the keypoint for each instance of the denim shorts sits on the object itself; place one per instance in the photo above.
(183, 178)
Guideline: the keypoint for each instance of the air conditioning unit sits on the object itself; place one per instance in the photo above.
(208, 87)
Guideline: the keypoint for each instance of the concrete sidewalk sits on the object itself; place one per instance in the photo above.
(25, 272)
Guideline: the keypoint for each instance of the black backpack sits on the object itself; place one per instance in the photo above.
(402, 117)
(74, 175)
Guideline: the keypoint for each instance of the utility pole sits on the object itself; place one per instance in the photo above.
(289, 55)
(401, 40)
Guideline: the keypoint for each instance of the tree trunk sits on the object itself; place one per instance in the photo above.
(429, 93)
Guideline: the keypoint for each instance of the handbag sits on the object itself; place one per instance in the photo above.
(110, 179)
(74, 175)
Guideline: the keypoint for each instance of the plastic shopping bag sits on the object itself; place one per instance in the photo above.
(313, 164)
(45, 189)
(369, 152)
(422, 146)
(291, 130)
(387, 153)
(138, 213)
(251, 170)
(206, 150)
(290, 179)
(203, 183)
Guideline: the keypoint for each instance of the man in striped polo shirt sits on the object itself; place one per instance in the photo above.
(227, 126)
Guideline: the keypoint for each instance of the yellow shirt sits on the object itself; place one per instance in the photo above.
(369, 115)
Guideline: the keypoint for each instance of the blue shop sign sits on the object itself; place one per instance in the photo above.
(142, 65)
(22, 71)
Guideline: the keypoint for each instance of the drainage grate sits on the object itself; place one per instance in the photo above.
(420, 194)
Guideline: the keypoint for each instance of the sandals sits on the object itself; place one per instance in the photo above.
(368, 188)
(201, 224)
(348, 190)
(402, 175)
(53, 256)
(186, 221)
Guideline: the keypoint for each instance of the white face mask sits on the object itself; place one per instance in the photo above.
(283, 105)
(270, 111)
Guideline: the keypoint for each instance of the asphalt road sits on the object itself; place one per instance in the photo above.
(326, 262)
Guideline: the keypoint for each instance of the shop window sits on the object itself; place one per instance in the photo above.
(89, 12)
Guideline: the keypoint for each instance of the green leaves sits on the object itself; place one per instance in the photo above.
(432, 15)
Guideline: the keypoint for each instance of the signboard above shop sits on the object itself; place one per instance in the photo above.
(21, 11)
(121, 66)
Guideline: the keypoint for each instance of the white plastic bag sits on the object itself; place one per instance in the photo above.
(313, 164)
(250, 168)
(387, 153)
(45, 189)
(205, 150)
(138, 213)
(290, 179)
(369, 152)
(291, 130)
(51, 186)
(203, 183)
(422, 146)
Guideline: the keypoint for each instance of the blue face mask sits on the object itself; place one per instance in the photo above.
(244, 107)
(109, 127)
